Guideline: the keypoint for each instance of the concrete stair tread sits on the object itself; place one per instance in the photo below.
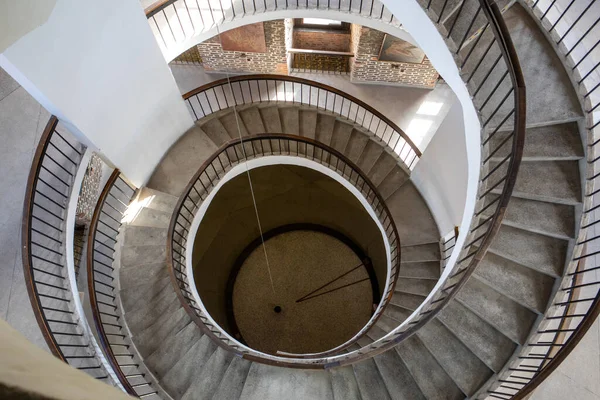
(308, 123)
(553, 142)
(208, 380)
(270, 118)
(182, 161)
(485, 341)
(341, 135)
(506, 315)
(157, 200)
(376, 333)
(392, 182)
(184, 372)
(253, 120)
(234, 124)
(553, 181)
(415, 286)
(429, 375)
(465, 369)
(152, 218)
(526, 286)
(151, 337)
(370, 381)
(387, 324)
(142, 275)
(369, 156)
(266, 382)
(407, 301)
(396, 314)
(324, 128)
(551, 219)
(344, 385)
(382, 168)
(398, 380)
(422, 270)
(543, 253)
(172, 349)
(132, 256)
(355, 145)
(215, 130)
(233, 381)
(143, 293)
(146, 312)
(420, 252)
(414, 221)
(290, 120)
(144, 235)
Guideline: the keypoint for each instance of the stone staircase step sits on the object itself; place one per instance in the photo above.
(270, 118)
(185, 371)
(465, 369)
(414, 221)
(172, 349)
(422, 270)
(369, 156)
(543, 253)
(524, 285)
(485, 341)
(142, 255)
(290, 120)
(234, 124)
(144, 235)
(325, 125)
(142, 275)
(407, 301)
(420, 252)
(392, 182)
(233, 381)
(156, 200)
(370, 381)
(382, 168)
(151, 218)
(308, 123)
(355, 146)
(399, 382)
(265, 382)
(508, 316)
(343, 383)
(208, 380)
(153, 335)
(431, 378)
(396, 314)
(253, 120)
(216, 131)
(552, 181)
(341, 135)
(415, 286)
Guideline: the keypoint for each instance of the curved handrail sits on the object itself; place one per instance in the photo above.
(57, 158)
(102, 277)
(573, 30)
(235, 152)
(490, 92)
(216, 96)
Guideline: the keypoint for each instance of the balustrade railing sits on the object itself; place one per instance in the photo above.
(237, 152)
(44, 234)
(102, 275)
(219, 95)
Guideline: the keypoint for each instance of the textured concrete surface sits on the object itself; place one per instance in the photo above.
(300, 262)
(22, 121)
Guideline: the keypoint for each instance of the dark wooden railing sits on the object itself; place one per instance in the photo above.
(44, 229)
(103, 289)
(248, 89)
(237, 152)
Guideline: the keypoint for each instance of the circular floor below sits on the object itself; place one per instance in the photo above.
(320, 295)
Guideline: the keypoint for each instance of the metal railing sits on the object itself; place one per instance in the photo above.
(103, 290)
(249, 89)
(477, 36)
(237, 152)
(44, 242)
(573, 27)
(320, 62)
(174, 21)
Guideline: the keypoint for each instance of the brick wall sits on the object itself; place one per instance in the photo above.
(272, 62)
(319, 40)
(366, 43)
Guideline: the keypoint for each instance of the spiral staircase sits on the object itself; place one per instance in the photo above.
(518, 294)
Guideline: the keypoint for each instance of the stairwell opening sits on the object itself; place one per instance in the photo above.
(322, 248)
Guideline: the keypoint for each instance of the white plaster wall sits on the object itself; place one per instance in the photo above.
(96, 65)
(441, 174)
